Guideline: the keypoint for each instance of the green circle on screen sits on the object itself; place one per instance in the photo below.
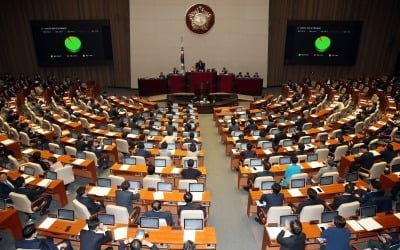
(322, 43)
(73, 44)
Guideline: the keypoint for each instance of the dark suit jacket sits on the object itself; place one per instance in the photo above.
(308, 202)
(166, 215)
(32, 194)
(5, 191)
(294, 242)
(90, 204)
(190, 173)
(300, 122)
(80, 146)
(248, 154)
(125, 198)
(93, 241)
(272, 200)
(366, 198)
(43, 244)
(344, 198)
(366, 160)
(279, 137)
(191, 206)
(337, 238)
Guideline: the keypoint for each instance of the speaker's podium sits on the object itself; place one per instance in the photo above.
(176, 83)
(194, 79)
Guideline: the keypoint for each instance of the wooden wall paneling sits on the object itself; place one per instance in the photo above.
(378, 48)
(17, 52)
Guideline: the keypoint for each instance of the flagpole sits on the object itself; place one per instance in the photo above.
(182, 57)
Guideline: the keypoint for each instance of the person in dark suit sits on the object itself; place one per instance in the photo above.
(388, 154)
(337, 237)
(31, 241)
(37, 196)
(188, 197)
(125, 198)
(137, 244)
(296, 241)
(251, 126)
(7, 185)
(156, 212)
(234, 126)
(190, 172)
(367, 196)
(280, 136)
(366, 160)
(141, 151)
(96, 235)
(346, 197)
(92, 206)
(301, 121)
(299, 133)
(191, 139)
(242, 139)
(311, 200)
(266, 172)
(271, 200)
(37, 158)
(81, 145)
(249, 153)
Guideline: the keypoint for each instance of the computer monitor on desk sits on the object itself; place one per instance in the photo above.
(326, 180)
(164, 187)
(297, 183)
(3, 204)
(130, 161)
(149, 222)
(267, 144)
(59, 151)
(289, 218)
(367, 211)
(351, 177)
(196, 187)
(104, 182)
(267, 185)
(51, 175)
(312, 157)
(255, 162)
(327, 217)
(29, 170)
(65, 214)
(284, 160)
(160, 163)
(193, 224)
(107, 141)
(134, 185)
(287, 143)
(107, 219)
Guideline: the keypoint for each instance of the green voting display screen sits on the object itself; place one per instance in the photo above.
(72, 44)
(322, 44)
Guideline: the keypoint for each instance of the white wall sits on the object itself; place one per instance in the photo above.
(238, 40)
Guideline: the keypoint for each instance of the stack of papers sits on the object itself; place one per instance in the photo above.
(78, 161)
(56, 155)
(295, 192)
(30, 179)
(189, 235)
(7, 142)
(99, 191)
(71, 140)
(46, 224)
(369, 224)
(373, 128)
(62, 120)
(110, 134)
(267, 151)
(121, 233)
(176, 170)
(44, 183)
(274, 231)
(28, 151)
(159, 170)
(354, 225)
(315, 164)
(397, 215)
(124, 167)
(158, 195)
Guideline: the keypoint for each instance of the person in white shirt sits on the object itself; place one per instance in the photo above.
(192, 150)
(54, 164)
(163, 151)
(169, 138)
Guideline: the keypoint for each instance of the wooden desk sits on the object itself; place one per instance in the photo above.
(388, 181)
(312, 232)
(70, 125)
(329, 191)
(56, 188)
(171, 199)
(10, 221)
(165, 237)
(12, 145)
(137, 172)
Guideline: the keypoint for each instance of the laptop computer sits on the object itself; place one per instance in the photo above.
(326, 180)
(51, 175)
(287, 143)
(327, 217)
(107, 219)
(134, 185)
(65, 214)
(289, 218)
(297, 183)
(267, 185)
(107, 141)
(196, 187)
(351, 177)
(284, 160)
(104, 182)
(267, 144)
(149, 222)
(255, 162)
(59, 151)
(367, 211)
(81, 155)
(130, 161)
(164, 187)
(193, 224)
(29, 170)
(307, 141)
(312, 157)
(148, 145)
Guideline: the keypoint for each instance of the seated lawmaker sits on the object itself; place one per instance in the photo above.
(190, 172)
(337, 237)
(296, 241)
(31, 241)
(271, 200)
(157, 212)
(347, 197)
(97, 235)
(311, 200)
(125, 198)
(292, 169)
(188, 197)
(92, 206)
